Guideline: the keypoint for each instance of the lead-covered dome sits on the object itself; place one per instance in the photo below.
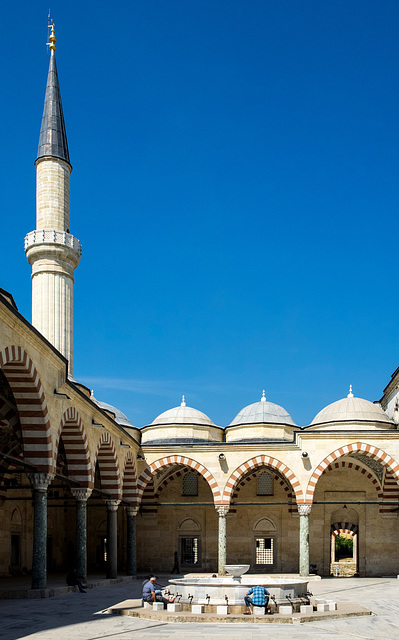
(261, 420)
(350, 413)
(181, 424)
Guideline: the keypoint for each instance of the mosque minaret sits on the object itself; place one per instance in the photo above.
(51, 250)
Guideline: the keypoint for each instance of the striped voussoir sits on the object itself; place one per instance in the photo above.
(356, 447)
(390, 491)
(32, 408)
(109, 468)
(76, 447)
(344, 527)
(129, 479)
(262, 461)
(173, 475)
(356, 466)
(158, 465)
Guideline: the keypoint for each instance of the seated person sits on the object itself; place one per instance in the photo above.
(260, 598)
(150, 594)
(73, 580)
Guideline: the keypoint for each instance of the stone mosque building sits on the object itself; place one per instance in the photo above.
(81, 486)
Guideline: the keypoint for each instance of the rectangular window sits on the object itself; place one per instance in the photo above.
(15, 551)
(265, 484)
(264, 551)
(190, 551)
(190, 484)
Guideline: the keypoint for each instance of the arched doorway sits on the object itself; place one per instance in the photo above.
(344, 531)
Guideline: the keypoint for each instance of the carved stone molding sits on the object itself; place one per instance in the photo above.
(304, 509)
(132, 511)
(222, 510)
(40, 481)
(112, 505)
(82, 495)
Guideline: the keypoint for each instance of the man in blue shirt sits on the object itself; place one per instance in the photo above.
(152, 595)
(260, 598)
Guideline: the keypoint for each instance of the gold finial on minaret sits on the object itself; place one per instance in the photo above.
(52, 39)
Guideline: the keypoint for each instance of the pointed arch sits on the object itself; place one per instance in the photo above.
(109, 467)
(251, 475)
(73, 435)
(32, 407)
(262, 461)
(356, 447)
(147, 474)
(343, 527)
(129, 479)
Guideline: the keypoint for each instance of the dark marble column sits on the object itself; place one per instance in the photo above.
(131, 568)
(81, 496)
(40, 483)
(222, 511)
(112, 538)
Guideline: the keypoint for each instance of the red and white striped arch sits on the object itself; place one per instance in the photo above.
(129, 479)
(357, 447)
(250, 476)
(109, 467)
(29, 396)
(262, 461)
(73, 436)
(147, 474)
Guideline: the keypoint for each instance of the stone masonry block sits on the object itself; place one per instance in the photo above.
(332, 606)
(157, 606)
(323, 606)
(147, 605)
(174, 606)
(222, 609)
(259, 611)
(285, 609)
(306, 608)
(197, 608)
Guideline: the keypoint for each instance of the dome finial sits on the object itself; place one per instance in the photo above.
(183, 402)
(52, 37)
(350, 394)
(263, 398)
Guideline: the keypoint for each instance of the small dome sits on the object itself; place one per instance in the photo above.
(183, 415)
(120, 417)
(262, 412)
(351, 409)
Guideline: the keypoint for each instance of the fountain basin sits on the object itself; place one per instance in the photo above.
(218, 588)
(237, 570)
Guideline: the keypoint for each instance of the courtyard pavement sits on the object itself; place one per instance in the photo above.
(76, 616)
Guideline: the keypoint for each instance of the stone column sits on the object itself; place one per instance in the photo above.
(304, 511)
(112, 538)
(81, 496)
(131, 567)
(222, 511)
(40, 483)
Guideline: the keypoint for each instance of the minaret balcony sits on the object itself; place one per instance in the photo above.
(51, 236)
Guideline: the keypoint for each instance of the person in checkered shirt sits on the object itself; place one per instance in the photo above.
(260, 598)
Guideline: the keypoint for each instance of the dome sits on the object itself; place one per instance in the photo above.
(183, 415)
(262, 412)
(351, 409)
(120, 417)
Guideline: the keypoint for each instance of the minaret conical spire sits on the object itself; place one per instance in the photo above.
(53, 140)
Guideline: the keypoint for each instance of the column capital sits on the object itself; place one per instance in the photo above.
(304, 509)
(222, 510)
(81, 494)
(40, 481)
(112, 505)
(132, 511)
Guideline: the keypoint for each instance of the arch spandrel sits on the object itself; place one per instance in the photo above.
(162, 463)
(262, 461)
(129, 480)
(356, 447)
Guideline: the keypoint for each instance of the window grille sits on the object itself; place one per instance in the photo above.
(264, 551)
(190, 550)
(190, 484)
(265, 484)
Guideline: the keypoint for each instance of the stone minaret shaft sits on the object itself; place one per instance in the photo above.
(51, 250)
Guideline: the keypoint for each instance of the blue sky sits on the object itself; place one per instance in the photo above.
(235, 190)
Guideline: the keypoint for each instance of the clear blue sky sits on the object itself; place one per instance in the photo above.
(235, 189)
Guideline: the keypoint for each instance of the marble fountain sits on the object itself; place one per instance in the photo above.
(232, 589)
